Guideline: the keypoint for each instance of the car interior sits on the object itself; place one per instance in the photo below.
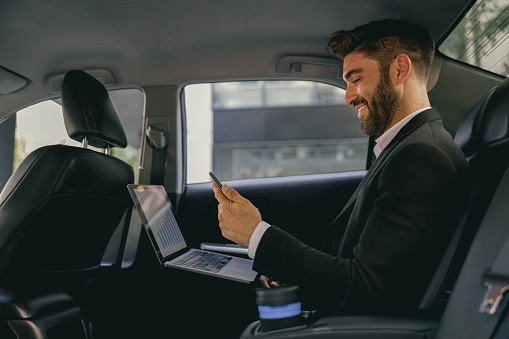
(98, 95)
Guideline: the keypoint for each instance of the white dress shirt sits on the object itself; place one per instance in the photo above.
(381, 143)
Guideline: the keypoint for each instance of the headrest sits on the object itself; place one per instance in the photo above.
(89, 112)
(487, 123)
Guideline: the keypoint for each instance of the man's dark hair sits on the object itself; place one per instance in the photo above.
(384, 40)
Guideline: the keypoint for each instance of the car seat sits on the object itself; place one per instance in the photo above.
(63, 203)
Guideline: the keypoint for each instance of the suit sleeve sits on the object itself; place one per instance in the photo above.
(399, 244)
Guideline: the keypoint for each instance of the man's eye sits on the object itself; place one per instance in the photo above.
(356, 81)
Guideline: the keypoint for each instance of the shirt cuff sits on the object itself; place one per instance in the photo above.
(256, 237)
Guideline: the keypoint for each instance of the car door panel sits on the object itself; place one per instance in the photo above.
(302, 205)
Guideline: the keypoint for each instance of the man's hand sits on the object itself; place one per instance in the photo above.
(237, 217)
(268, 283)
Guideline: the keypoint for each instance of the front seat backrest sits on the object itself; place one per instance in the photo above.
(60, 207)
(483, 136)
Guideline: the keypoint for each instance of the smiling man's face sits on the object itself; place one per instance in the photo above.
(370, 92)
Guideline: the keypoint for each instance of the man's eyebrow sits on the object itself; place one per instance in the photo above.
(349, 74)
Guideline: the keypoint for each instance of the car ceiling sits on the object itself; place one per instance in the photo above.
(158, 42)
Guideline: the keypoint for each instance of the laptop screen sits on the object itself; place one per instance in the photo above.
(155, 211)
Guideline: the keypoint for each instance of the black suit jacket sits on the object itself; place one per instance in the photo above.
(382, 249)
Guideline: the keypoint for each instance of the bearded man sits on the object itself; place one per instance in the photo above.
(381, 251)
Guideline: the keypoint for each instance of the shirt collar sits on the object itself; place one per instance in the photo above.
(385, 139)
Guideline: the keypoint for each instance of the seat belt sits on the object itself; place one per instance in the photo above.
(158, 140)
(496, 281)
(493, 307)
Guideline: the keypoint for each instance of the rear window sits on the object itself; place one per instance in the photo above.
(481, 37)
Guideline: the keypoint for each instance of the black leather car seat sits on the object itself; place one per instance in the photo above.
(60, 207)
(483, 136)
(466, 315)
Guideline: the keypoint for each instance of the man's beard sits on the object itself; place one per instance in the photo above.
(382, 107)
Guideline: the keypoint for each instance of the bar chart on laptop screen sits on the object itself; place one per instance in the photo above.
(169, 233)
(161, 221)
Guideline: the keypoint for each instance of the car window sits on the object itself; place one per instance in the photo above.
(260, 129)
(480, 38)
(42, 124)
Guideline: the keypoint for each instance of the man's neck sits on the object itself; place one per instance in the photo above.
(389, 134)
(408, 105)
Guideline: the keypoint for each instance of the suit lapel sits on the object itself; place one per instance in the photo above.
(338, 226)
(416, 122)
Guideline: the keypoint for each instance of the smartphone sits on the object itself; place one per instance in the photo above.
(216, 180)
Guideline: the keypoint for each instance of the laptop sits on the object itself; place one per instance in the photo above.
(155, 210)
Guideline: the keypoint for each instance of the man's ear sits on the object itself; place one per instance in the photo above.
(403, 67)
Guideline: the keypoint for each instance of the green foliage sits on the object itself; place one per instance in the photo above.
(20, 152)
(131, 156)
(478, 36)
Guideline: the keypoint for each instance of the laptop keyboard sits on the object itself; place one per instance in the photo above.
(204, 261)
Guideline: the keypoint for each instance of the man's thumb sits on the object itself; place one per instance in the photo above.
(230, 193)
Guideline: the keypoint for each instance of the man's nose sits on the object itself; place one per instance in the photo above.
(350, 95)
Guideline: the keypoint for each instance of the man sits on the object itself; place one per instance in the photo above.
(381, 251)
